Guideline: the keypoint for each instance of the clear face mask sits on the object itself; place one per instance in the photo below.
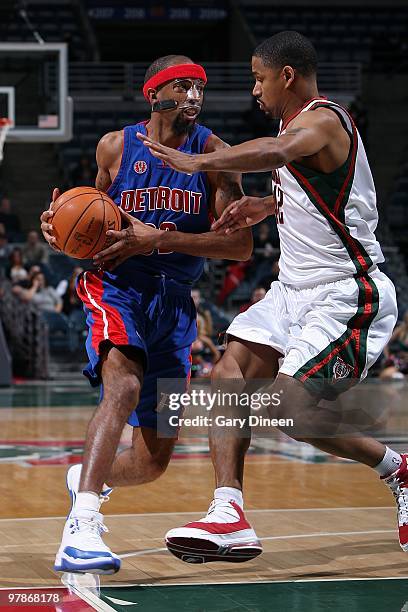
(192, 88)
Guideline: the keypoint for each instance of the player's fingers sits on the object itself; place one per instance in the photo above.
(46, 227)
(131, 220)
(143, 137)
(157, 153)
(234, 210)
(221, 229)
(115, 234)
(126, 216)
(109, 253)
(226, 227)
(219, 223)
(52, 241)
(233, 228)
(49, 238)
(55, 194)
(152, 144)
(224, 220)
(46, 215)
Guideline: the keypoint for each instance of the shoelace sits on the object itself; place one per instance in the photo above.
(401, 495)
(220, 506)
(402, 500)
(92, 527)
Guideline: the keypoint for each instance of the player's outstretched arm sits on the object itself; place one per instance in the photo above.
(309, 133)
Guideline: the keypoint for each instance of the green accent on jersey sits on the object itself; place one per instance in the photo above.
(355, 249)
(330, 192)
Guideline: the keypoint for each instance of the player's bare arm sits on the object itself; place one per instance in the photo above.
(140, 238)
(250, 211)
(108, 158)
(309, 134)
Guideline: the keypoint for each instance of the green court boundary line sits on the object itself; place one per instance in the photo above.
(224, 583)
(254, 582)
(119, 585)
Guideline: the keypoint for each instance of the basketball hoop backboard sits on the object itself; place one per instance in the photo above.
(34, 92)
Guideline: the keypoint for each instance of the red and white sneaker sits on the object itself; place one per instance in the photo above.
(398, 483)
(223, 534)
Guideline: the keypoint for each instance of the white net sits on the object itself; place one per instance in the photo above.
(5, 125)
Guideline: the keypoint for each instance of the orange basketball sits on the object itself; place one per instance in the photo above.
(81, 219)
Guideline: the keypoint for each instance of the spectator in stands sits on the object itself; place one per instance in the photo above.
(5, 248)
(83, 173)
(271, 275)
(204, 353)
(4, 253)
(207, 322)
(26, 283)
(10, 220)
(396, 351)
(34, 250)
(16, 271)
(265, 252)
(263, 246)
(234, 275)
(258, 294)
(44, 297)
(66, 289)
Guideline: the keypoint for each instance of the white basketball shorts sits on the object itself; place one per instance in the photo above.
(325, 333)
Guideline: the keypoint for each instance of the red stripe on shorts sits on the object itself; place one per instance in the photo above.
(107, 320)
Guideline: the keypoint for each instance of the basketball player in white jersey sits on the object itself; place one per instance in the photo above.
(330, 314)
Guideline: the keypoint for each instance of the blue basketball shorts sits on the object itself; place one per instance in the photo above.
(154, 314)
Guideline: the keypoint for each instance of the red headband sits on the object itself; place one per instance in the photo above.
(180, 71)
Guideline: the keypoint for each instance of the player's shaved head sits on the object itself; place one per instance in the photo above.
(288, 48)
(165, 62)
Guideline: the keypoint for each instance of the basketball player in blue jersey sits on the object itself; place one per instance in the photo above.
(140, 315)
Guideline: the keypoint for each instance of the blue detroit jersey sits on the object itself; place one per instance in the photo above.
(169, 200)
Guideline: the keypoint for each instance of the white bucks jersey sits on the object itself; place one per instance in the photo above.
(326, 222)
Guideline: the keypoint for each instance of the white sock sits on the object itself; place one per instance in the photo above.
(228, 493)
(389, 464)
(87, 500)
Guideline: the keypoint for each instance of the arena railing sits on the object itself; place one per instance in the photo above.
(125, 79)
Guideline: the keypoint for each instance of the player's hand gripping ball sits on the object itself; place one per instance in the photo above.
(81, 218)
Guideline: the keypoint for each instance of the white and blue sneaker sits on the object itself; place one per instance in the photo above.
(82, 549)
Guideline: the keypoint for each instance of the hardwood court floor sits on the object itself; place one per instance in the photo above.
(316, 520)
